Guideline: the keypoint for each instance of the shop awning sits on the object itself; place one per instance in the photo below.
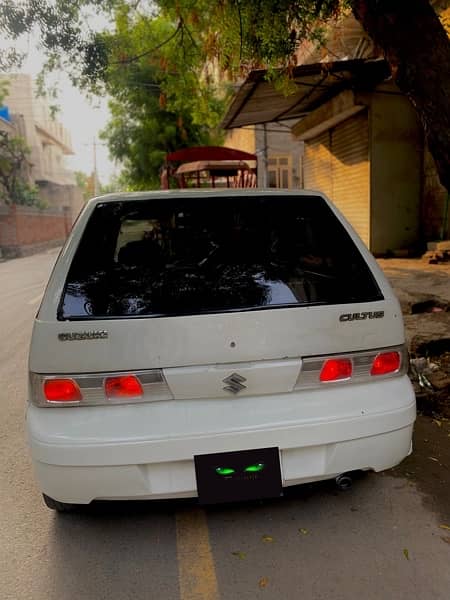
(257, 101)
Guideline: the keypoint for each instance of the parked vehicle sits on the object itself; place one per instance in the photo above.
(220, 344)
(209, 167)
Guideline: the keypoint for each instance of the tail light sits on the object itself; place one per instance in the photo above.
(87, 389)
(386, 362)
(352, 367)
(123, 386)
(61, 390)
(336, 369)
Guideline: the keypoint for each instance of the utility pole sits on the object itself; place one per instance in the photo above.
(94, 148)
(261, 152)
(265, 158)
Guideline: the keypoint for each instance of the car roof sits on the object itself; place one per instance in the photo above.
(196, 192)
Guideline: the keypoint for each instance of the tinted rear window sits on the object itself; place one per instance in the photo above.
(179, 256)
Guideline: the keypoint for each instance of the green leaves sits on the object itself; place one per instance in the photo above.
(160, 101)
(194, 39)
(166, 65)
(14, 172)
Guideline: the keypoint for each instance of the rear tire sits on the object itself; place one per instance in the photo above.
(61, 507)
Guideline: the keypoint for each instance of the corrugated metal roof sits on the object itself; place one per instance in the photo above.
(257, 101)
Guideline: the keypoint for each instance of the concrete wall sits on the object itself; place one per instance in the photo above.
(242, 138)
(68, 197)
(77, 201)
(25, 230)
(395, 152)
(434, 199)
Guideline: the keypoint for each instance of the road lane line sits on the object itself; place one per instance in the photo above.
(196, 571)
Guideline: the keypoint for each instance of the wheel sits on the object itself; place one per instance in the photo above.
(59, 506)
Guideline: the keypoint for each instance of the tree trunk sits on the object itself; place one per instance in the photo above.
(417, 49)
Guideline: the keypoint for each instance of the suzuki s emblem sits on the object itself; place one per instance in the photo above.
(234, 383)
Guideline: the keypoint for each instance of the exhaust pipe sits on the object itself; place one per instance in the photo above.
(344, 481)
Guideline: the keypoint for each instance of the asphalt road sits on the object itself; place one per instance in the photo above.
(383, 539)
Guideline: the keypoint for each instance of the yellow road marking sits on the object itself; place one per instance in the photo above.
(196, 572)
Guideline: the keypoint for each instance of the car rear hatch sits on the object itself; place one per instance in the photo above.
(208, 295)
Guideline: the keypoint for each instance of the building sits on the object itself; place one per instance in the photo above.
(28, 229)
(357, 138)
(279, 154)
(48, 140)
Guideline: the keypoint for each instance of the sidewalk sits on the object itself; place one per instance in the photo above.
(424, 294)
(428, 467)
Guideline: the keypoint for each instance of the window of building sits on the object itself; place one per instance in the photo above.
(279, 172)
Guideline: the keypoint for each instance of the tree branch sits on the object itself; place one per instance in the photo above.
(137, 57)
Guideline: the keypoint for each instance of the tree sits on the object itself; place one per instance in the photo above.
(409, 33)
(148, 64)
(159, 103)
(417, 49)
(83, 183)
(63, 30)
(140, 135)
(113, 185)
(14, 187)
(237, 36)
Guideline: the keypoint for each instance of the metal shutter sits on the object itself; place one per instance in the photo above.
(350, 169)
(317, 161)
(337, 163)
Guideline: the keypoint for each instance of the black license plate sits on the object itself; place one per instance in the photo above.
(237, 476)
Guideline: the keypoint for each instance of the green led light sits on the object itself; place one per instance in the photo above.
(257, 468)
(224, 471)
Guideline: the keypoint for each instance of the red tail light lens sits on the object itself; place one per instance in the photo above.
(61, 390)
(386, 362)
(335, 369)
(123, 386)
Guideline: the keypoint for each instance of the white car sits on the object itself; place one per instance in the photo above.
(219, 344)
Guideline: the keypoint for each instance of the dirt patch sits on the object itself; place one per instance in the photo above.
(430, 375)
(417, 276)
(429, 306)
(424, 294)
(428, 467)
(422, 288)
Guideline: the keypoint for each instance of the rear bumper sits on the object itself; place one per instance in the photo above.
(327, 433)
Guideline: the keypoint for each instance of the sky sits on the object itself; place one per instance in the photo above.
(82, 118)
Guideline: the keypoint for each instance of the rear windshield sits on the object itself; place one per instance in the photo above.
(184, 256)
